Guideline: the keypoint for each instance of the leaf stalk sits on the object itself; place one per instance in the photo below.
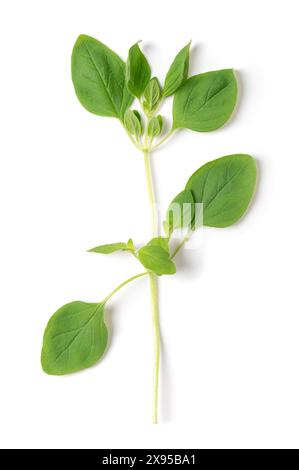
(123, 284)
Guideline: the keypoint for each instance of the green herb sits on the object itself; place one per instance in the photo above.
(76, 336)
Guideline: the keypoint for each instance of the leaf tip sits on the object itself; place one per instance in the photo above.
(81, 38)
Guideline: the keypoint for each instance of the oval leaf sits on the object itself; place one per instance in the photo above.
(225, 187)
(156, 259)
(152, 94)
(178, 71)
(75, 338)
(206, 101)
(98, 75)
(138, 72)
(132, 121)
(155, 126)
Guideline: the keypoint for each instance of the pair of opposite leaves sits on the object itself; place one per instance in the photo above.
(106, 86)
(76, 335)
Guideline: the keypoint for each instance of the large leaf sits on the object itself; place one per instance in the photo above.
(138, 72)
(206, 101)
(178, 71)
(155, 257)
(75, 338)
(225, 187)
(99, 78)
(181, 210)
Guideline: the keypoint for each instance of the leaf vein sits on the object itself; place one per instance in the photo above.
(102, 79)
(74, 338)
(224, 185)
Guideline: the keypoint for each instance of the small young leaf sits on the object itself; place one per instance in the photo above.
(180, 213)
(132, 122)
(155, 258)
(130, 245)
(225, 187)
(112, 247)
(98, 75)
(160, 241)
(138, 72)
(75, 338)
(178, 71)
(152, 94)
(206, 101)
(138, 115)
(155, 126)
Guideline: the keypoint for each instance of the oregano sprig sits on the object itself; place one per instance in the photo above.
(76, 336)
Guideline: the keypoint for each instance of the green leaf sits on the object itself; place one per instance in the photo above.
(138, 72)
(75, 338)
(130, 245)
(155, 257)
(138, 115)
(225, 187)
(132, 122)
(160, 241)
(181, 210)
(178, 71)
(99, 78)
(152, 94)
(112, 247)
(206, 101)
(155, 126)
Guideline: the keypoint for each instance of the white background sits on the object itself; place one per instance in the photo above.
(70, 180)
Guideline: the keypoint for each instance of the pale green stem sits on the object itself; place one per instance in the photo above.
(123, 284)
(151, 195)
(153, 287)
(155, 316)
